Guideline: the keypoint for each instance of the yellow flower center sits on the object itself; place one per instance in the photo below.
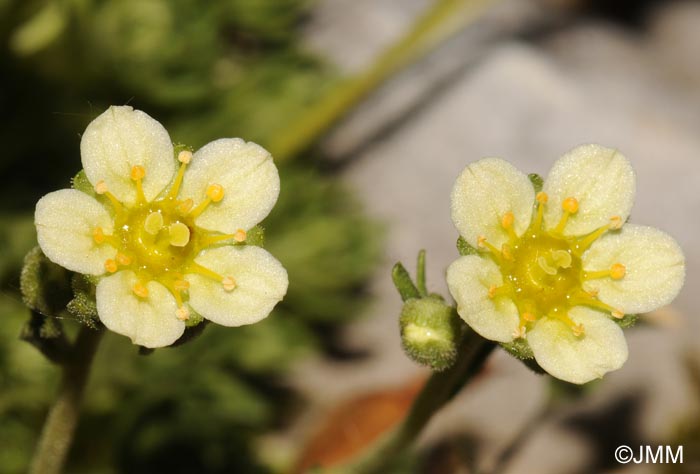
(159, 240)
(542, 269)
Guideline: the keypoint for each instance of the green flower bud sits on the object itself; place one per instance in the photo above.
(430, 331)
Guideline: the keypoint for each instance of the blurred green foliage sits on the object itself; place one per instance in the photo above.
(205, 70)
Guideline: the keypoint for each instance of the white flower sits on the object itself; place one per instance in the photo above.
(559, 272)
(165, 239)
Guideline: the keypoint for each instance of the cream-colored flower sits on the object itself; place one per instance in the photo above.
(166, 235)
(557, 274)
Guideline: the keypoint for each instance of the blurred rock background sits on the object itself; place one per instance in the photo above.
(525, 80)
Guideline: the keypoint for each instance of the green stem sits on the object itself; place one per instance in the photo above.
(439, 22)
(59, 427)
(439, 389)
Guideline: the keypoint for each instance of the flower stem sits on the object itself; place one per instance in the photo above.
(59, 427)
(438, 23)
(440, 388)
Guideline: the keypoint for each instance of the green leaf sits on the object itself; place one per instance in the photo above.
(403, 283)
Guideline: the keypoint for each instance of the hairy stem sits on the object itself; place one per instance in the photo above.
(59, 427)
(439, 389)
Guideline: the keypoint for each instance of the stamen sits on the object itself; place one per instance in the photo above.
(98, 235)
(584, 298)
(181, 285)
(229, 283)
(184, 157)
(507, 252)
(495, 291)
(185, 206)
(482, 243)
(616, 222)
(204, 271)
(179, 234)
(617, 271)
(182, 313)
(138, 172)
(570, 206)
(200, 208)
(541, 199)
(519, 332)
(153, 223)
(507, 223)
(111, 265)
(215, 192)
(102, 189)
(123, 260)
(578, 330)
(140, 290)
(240, 235)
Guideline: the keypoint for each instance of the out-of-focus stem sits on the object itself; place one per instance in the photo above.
(438, 23)
(440, 388)
(59, 427)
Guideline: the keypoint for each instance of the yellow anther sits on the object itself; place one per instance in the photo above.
(182, 313)
(618, 314)
(616, 222)
(240, 235)
(492, 291)
(578, 330)
(519, 332)
(153, 223)
(529, 317)
(215, 192)
(179, 234)
(123, 260)
(140, 290)
(506, 252)
(542, 197)
(481, 241)
(185, 206)
(101, 187)
(593, 292)
(617, 271)
(185, 156)
(229, 283)
(507, 220)
(137, 172)
(98, 235)
(570, 205)
(111, 265)
(181, 285)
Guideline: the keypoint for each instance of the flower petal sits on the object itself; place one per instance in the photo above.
(469, 279)
(483, 193)
(65, 221)
(654, 268)
(261, 282)
(121, 138)
(601, 179)
(248, 176)
(601, 349)
(149, 322)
